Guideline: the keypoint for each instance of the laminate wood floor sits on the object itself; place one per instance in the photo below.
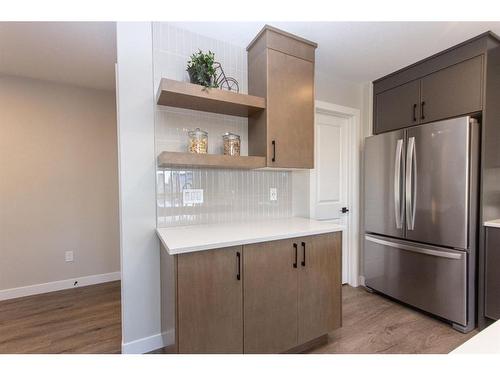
(88, 320)
(80, 320)
(374, 324)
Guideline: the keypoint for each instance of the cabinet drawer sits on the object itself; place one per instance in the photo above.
(453, 91)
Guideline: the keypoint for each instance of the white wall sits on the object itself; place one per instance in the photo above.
(58, 184)
(140, 256)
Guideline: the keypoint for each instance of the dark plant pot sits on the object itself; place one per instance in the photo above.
(192, 78)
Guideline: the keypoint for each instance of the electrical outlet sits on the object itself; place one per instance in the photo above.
(192, 196)
(68, 256)
(273, 194)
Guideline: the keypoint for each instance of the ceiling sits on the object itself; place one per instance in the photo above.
(77, 53)
(84, 53)
(357, 51)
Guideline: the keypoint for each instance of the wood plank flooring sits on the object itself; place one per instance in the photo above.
(375, 324)
(80, 320)
(87, 320)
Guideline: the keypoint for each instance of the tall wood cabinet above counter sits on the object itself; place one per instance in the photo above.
(449, 84)
(281, 69)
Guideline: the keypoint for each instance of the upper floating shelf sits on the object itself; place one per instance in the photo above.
(187, 95)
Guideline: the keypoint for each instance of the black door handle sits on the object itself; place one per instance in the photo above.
(303, 254)
(238, 261)
(295, 248)
(422, 105)
(344, 210)
(274, 150)
(414, 112)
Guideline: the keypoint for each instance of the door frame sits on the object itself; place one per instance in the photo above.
(352, 115)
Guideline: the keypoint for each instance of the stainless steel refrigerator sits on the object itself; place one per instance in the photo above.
(420, 202)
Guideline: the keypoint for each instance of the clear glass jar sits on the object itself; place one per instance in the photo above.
(198, 141)
(231, 144)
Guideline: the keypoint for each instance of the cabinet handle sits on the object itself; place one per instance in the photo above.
(414, 112)
(296, 250)
(238, 262)
(274, 150)
(303, 263)
(422, 110)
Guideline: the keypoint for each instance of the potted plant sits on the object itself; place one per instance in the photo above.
(201, 69)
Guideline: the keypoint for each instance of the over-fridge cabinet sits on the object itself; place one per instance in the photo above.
(449, 92)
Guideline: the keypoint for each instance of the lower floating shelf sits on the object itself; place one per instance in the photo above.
(183, 159)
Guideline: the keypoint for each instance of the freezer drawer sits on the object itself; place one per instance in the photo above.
(428, 277)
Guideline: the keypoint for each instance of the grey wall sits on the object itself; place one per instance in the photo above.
(58, 182)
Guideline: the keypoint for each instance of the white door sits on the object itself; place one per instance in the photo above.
(330, 178)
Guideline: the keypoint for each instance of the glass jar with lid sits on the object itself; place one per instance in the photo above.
(198, 141)
(231, 144)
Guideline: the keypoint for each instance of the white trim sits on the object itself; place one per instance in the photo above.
(54, 286)
(353, 115)
(148, 344)
(361, 280)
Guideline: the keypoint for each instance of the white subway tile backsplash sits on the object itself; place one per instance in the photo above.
(229, 195)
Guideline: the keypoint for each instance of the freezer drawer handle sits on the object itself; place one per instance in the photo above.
(414, 249)
(397, 184)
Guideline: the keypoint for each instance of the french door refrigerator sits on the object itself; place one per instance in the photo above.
(420, 196)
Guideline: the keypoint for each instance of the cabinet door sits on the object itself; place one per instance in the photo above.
(492, 294)
(397, 108)
(210, 301)
(453, 91)
(290, 106)
(270, 292)
(320, 285)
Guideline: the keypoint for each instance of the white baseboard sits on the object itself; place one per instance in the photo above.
(362, 280)
(57, 285)
(148, 344)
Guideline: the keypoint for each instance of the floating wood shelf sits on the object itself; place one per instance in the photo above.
(184, 159)
(187, 95)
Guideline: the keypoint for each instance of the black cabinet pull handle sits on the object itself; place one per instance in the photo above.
(414, 112)
(422, 110)
(296, 250)
(238, 261)
(303, 254)
(274, 150)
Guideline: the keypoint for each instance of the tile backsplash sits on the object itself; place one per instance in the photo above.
(229, 195)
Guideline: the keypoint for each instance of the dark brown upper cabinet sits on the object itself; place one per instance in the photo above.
(448, 84)
(398, 107)
(281, 69)
(453, 91)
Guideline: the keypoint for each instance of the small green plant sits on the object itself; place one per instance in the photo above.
(201, 69)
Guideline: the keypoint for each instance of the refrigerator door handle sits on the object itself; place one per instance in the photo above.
(410, 214)
(397, 184)
(415, 249)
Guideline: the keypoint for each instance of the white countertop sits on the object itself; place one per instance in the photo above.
(492, 223)
(485, 342)
(185, 239)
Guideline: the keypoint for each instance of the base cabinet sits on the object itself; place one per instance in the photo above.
(210, 302)
(270, 291)
(320, 286)
(269, 297)
(492, 292)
